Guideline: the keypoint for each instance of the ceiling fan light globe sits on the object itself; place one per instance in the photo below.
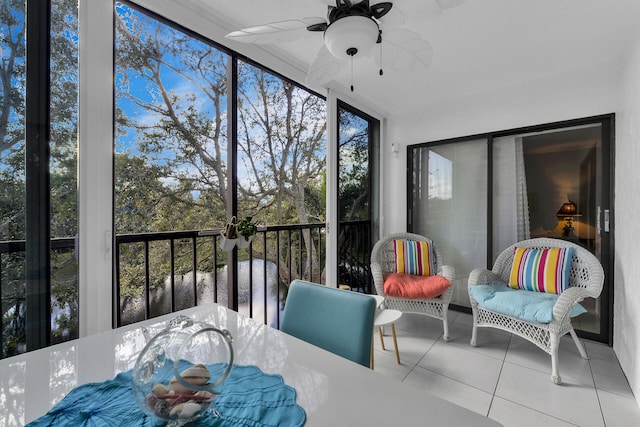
(351, 32)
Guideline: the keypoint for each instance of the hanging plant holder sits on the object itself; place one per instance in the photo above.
(227, 244)
(229, 235)
(244, 242)
(238, 233)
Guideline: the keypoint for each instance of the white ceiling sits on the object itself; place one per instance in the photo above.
(480, 45)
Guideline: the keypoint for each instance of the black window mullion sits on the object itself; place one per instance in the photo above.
(37, 200)
(232, 175)
(490, 202)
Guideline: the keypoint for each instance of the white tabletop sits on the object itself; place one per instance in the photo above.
(332, 390)
(386, 317)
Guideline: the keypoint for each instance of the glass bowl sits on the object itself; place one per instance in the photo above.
(180, 371)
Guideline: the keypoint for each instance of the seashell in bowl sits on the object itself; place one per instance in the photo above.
(185, 410)
(196, 375)
(180, 371)
(159, 390)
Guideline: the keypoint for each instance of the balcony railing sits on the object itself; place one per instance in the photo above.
(64, 294)
(160, 273)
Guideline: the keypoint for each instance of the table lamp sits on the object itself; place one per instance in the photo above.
(568, 211)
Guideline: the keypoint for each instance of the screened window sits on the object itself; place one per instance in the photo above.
(38, 229)
(171, 134)
(357, 137)
(190, 155)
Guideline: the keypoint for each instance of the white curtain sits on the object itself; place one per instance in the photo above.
(510, 204)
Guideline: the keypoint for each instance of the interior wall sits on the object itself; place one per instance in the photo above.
(551, 99)
(626, 310)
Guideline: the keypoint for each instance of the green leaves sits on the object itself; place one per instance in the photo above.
(246, 227)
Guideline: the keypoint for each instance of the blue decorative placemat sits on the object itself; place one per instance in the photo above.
(249, 398)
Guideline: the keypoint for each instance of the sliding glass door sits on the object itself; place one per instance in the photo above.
(476, 196)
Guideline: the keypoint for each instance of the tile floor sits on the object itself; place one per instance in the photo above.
(507, 378)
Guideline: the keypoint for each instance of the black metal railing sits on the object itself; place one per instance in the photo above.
(64, 293)
(354, 255)
(160, 273)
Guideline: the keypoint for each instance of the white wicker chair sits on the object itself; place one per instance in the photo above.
(586, 280)
(383, 262)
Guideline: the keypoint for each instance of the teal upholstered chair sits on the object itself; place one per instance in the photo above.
(335, 320)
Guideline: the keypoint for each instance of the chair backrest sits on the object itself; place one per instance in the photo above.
(383, 254)
(335, 320)
(586, 271)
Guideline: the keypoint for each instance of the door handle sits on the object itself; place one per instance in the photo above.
(606, 220)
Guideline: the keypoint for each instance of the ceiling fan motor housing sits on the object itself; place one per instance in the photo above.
(351, 36)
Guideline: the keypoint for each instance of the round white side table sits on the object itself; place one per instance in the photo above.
(385, 317)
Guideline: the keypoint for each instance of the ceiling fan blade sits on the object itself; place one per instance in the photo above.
(380, 9)
(324, 68)
(279, 31)
(393, 19)
(405, 50)
(341, 3)
(427, 9)
(448, 4)
(318, 27)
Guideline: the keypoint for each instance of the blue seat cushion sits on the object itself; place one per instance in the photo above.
(535, 307)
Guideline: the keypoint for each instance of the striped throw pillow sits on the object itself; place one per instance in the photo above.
(541, 270)
(414, 257)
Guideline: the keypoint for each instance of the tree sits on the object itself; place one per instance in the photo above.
(171, 112)
(63, 111)
(12, 90)
(354, 166)
(64, 118)
(177, 123)
(63, 161)
(281, 136)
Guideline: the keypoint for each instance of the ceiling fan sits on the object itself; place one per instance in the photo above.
(351, 30)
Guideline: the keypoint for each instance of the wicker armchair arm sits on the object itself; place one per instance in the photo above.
(448, 271)
(482, 276)
(378, 280)
(566, 301)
